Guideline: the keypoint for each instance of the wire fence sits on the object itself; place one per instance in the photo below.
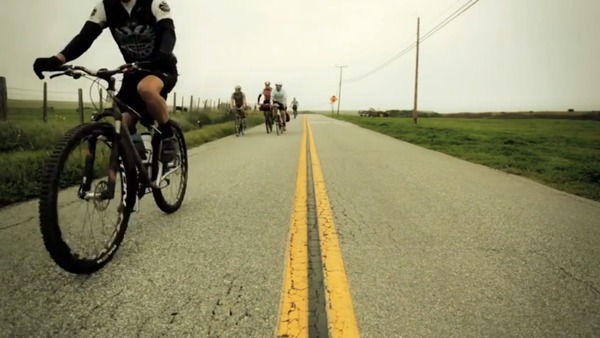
(48, 104)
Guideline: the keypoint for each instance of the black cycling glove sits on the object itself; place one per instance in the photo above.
(46, 65)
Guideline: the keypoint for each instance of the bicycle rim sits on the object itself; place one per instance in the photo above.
(60, 251)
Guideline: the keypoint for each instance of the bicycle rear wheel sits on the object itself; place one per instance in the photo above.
(179, 165)
(60, 251)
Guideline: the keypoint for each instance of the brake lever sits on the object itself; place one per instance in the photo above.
(57, 75)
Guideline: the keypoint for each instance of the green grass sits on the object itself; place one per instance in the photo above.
(26, 142)
(564, 154)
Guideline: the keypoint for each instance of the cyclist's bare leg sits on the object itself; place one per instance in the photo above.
(149, 89)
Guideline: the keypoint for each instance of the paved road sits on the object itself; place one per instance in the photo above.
(432, 246)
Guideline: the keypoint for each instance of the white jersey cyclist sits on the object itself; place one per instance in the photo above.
(280, 96)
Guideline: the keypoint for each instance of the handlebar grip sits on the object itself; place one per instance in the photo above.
(56, 75)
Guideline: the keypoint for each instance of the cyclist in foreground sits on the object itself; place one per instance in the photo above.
(238, 100)
(144, 31)
(280, 97)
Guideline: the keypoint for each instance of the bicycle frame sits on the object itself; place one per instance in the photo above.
(277, 113)
(121, 134)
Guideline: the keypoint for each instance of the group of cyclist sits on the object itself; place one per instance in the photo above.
(270, 98)
(144, 31)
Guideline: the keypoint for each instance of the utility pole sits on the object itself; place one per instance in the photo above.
(417, 72)
(340, 88)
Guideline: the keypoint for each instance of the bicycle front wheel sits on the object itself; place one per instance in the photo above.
(268, 122)
(237, 126)
(278, 125)
(57, 243)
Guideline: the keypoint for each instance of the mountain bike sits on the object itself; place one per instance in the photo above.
(240, 122)
(140, 173)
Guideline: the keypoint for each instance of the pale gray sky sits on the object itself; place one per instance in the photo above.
(499, 55)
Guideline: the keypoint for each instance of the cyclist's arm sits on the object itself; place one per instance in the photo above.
(244, 100)
(165, 26)
(90, 31)
(258, 98)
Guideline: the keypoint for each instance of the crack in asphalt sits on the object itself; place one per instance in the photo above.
(293, 288)
(515, 253)
(228, 310)
(4, 227)
(569, 274)
(317, 304)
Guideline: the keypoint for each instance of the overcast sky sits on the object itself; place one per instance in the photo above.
(499, 55)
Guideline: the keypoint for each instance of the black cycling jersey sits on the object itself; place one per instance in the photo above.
(143, 30)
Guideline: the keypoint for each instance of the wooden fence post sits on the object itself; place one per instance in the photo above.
(174, 103)
(3, 99)
(80, 105)
(45, 103)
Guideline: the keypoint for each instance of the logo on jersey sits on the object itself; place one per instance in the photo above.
(136, 41)
(164, 7)
(94, 11)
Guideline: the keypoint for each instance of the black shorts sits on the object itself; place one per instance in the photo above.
(281, 106)
(129, 93)
(265, 106)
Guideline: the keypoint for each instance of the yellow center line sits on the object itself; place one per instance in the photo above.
(293, 314)
(340, 312)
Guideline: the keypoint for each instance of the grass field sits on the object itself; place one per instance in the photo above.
(26, 141)
(561, 153)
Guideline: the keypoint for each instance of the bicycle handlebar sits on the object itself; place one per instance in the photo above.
(103, 73)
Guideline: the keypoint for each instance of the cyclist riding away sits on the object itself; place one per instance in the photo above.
(295, 107)
(280, 97)
(265, 106)
(144, 31)
(238, 100)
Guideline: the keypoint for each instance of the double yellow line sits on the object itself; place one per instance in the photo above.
(294, 310)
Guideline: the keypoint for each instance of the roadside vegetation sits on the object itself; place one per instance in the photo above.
(26, 140)
(559, 150)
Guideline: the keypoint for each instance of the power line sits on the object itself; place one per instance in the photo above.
(429, 34)
(444, 12)
(405, 51)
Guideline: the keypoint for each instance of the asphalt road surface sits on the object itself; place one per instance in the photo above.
(432, 246)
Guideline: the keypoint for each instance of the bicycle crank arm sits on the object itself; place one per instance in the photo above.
(161, 178)
(169, 173)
